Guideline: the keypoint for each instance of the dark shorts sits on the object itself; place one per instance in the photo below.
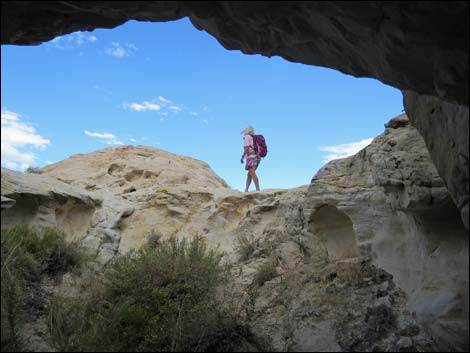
(252, 162)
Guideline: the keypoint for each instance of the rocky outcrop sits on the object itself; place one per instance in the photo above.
(389, 197)
(415, 46)
(44, 201)
(444, 127)
(139, 189)
(374, 241)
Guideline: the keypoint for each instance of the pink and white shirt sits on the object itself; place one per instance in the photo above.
(248, 141)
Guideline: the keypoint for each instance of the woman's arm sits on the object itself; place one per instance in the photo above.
(246, 151)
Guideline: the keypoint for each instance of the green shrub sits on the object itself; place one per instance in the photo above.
(27, 254)
(266, 272)
(161, 298)
(245, 246)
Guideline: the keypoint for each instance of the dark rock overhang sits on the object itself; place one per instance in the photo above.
(420, 46)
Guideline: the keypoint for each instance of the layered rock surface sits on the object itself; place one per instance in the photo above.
(401, 214)
(418, 47)
(384, 209)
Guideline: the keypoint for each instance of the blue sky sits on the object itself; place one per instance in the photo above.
(170, 86)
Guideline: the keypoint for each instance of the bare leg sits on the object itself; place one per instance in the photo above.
(253, 175)
(248, 181)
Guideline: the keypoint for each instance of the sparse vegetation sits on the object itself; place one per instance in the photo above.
(266, 272)
(245, 246)
(161, 298)
(28, 255)
(154, 239)
(34, 170)
(162, 189)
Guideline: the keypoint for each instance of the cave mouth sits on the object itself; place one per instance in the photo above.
(335, 230)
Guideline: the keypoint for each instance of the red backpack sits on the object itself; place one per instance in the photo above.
(259, 145)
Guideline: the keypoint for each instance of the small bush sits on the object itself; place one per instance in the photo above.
(28, 254)
(245, 246)
(34, 170)
(154, 239)
(266, 272)
(161, 298)
(162, 189)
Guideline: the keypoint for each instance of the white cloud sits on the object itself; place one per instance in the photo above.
(9, 116)
(174, 108)
(11, 155)
(131, 46)
(142, 107)
(194, 113)
(164, 100)
(15, 136)
(108, 138)
(72, 40)
(118, 51)
(12, 165)
(344, 150)
(133, 140)
(99, 135)
(205, 121)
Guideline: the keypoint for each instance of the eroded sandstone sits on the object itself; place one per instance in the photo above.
(374, 239)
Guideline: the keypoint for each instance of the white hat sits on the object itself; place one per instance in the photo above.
(248, 130)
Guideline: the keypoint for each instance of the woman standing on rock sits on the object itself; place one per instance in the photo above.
(252, 160)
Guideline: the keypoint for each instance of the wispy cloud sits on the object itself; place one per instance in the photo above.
(105, 137)
(102, 89)
(121, 51)
(73, 40)
(174, 108)
(168, 109)
(164, 100)
(344, 150)
(16, 136)
(142, 107)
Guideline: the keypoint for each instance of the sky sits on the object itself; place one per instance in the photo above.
(169, 86)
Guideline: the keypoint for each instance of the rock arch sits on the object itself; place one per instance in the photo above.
(335, 229)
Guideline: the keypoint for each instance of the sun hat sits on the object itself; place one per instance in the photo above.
(248, 130)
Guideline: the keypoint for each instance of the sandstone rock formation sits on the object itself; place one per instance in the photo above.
(444, 127)
(384, 209)
(416, 46)
(393, 202)
(44, 201)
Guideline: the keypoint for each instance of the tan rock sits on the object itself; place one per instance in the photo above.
(386, 204)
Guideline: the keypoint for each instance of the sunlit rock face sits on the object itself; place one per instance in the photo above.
(337, 242)
(45, 201)
(403, 217)
(415, 46)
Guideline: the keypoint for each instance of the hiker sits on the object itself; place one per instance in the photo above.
(252, 158)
